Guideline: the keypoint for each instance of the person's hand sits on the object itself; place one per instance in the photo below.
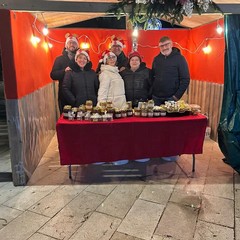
(121, 69)
(68, 69)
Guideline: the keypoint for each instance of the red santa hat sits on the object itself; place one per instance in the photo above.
(106, 54)
(83, 52)
(135, 54)
(71, 38)
(117, 42)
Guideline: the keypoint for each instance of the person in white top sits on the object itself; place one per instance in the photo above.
(111, 83)
(111, 86)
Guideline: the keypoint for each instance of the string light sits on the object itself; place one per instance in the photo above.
(84, 45)
(35, 40)
(135, 32)
(88, 45)
(134, 39)
(219, 28)
(45, 31)
(207, 49)
(50, 45)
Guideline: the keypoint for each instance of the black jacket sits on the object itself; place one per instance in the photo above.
(137, 84)
(58, 72)
(170, 75)
(80, 85)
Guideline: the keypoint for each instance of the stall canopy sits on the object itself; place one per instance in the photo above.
(229, 125)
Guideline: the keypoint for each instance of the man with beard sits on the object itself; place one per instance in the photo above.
(170, 73)
(61, 66)
(170, 76)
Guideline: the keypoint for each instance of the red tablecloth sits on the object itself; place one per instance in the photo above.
(82, 142)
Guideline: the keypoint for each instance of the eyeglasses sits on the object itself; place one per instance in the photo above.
(164, 45)
(111, 57)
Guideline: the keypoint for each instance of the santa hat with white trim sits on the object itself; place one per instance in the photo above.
(69, 38)
(106, 54)
(117, 42)
(83, 52)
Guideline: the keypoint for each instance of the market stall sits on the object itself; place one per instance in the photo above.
(85, 142)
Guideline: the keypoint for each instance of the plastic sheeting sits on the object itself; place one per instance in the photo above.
(31, 124)
(229, 126)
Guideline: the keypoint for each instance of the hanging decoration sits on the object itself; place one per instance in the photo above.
(141, 11)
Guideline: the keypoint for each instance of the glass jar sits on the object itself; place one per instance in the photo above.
(124, 113)
(156, 113)
(117, 114)
(129, 112)
(66, 109)
(89, 105)
(137, 112)
(150, 113)
(144, 113)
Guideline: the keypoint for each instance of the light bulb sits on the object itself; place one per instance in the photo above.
(207, 49)
(35, 40)
(45, 31)
(84, 45)
(135, 32)
(219, 29)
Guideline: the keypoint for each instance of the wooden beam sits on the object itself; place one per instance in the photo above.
(77, 6)
(55, 6)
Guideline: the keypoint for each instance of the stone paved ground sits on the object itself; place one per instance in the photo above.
(155, 200)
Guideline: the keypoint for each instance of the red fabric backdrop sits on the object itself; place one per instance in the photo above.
(26, 68)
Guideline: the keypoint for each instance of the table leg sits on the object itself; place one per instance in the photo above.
(70, 171)
(193, 163)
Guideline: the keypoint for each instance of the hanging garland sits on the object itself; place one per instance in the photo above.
(141, 11)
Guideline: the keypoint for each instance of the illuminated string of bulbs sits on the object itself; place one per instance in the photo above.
(84, 45)
(207, 49)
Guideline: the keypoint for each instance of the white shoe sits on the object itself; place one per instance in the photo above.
(170, 158)
(142, 160)
(120, 162)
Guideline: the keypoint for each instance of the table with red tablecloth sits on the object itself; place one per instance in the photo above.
(84, 142)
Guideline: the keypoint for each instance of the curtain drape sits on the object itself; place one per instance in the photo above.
(229, 125)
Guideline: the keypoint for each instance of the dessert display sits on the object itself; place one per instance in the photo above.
(172, 108)
(105, 111)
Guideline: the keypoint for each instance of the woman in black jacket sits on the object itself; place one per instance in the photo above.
(81, 83)
(137, 81)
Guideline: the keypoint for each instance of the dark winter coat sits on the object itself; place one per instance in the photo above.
(137, 84)
(80, 85)
(170, 75)
(58, 72)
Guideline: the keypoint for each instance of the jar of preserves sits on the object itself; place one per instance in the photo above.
(137, 112)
